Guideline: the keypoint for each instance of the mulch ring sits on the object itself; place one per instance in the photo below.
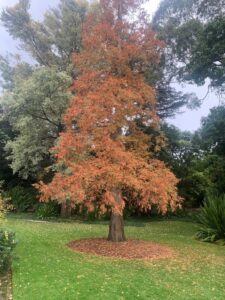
(131, 249)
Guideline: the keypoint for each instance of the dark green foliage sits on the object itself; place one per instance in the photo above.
(84, 214)
(212, 219)
(204, 174)
(179, 154)
(179, 150)
(197, 159)
(193, 188)
(23, 198)
(47, 210)
(207, 57)
(212, 131)
(6, 133)
(5, 171)
(170, 101)
(213, 167)
(7, 244)
(194, 34)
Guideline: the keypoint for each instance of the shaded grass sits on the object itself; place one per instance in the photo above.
(45, 268)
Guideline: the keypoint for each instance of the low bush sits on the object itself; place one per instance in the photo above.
(212, 219)
(7, 244)
(23, 198)
(47, 210)
(7, 240)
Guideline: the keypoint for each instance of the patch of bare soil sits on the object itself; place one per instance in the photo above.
(131, 249)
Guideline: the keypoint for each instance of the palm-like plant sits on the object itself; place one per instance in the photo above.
(212, 219)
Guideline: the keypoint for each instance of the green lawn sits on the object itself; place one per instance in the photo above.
(46, 269)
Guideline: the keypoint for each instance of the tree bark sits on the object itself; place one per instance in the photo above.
(65, 210)
(116, 229)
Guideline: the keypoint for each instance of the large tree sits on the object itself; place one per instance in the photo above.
(194, 34)
(29, 91)
(197, 159)
(52, 41)
(34, 109)
(103, 154)
(209, 164)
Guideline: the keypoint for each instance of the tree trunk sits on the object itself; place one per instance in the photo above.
(116, 229)
(65, 210)
(116, 226)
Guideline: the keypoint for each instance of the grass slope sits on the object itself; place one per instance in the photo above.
(46, 269)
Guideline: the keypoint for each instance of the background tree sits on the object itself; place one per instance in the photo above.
(197, 159)
(194, 35)
(52, 41)
(212, 133)
(183, 154)
(212, 144)
(103, 153)
(179, 150)
(29, 91)
(5, 171)
(34, 109)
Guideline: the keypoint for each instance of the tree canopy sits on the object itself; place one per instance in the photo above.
(194, 34)
(212, 133)
(35, 109)
(103, 153)
(51, 42)
(35, 96)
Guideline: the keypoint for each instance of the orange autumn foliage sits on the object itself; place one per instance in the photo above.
(103, 150)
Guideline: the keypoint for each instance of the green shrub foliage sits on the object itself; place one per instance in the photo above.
(47, 210)
(23, 198)
(7, 244)
(7, 240)
(212, 219)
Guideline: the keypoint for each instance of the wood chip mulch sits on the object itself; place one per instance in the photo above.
(131, 249)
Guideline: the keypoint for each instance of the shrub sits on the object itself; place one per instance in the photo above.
(7, 241)
(7, 244)
(194, 189)
(212, 219)
(2, 210)
(47, 210)
(23, 198)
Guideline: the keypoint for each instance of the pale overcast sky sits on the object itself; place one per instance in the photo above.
(189, 120)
